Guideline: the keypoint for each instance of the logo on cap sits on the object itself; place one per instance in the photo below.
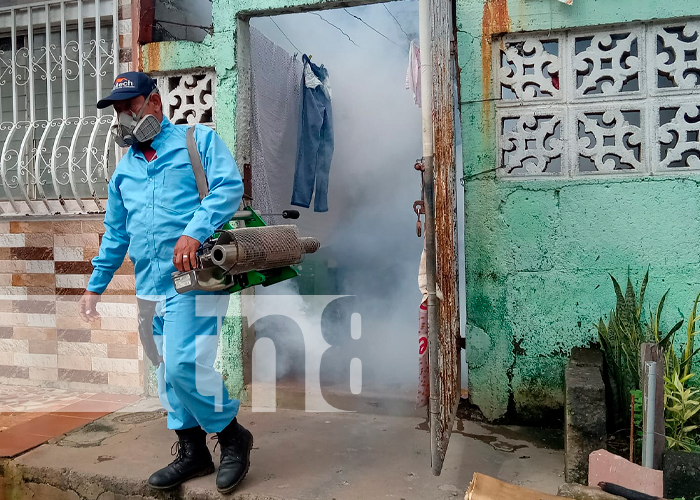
(122, 83)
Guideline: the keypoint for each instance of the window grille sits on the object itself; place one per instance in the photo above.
(599, 102)
(57, 59)
(188, 98)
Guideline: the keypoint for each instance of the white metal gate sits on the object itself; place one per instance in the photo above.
(57, 59)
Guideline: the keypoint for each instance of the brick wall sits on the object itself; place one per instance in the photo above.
(126, 49)
(44, 267)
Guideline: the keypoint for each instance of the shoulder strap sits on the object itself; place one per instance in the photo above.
(197, 168)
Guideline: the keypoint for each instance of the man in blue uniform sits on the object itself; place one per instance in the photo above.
(154, 212)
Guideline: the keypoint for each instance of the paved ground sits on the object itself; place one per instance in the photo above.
(30, 415)
(298, 455)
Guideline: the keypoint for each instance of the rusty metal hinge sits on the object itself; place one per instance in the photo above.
(419, 205)
(419, 209)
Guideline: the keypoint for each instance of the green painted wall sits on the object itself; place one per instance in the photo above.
(539, 252)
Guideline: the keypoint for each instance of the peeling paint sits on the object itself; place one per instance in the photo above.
(494, 20)
(445, 223)
(539, 251)
(153, 56)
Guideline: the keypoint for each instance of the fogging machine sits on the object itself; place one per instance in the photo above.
(235, 258)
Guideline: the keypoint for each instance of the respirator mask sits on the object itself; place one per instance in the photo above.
(133, 128)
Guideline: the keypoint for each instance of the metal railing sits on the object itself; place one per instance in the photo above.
(57, 59)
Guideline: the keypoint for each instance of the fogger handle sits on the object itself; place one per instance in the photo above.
(247, 214)
(290, 214)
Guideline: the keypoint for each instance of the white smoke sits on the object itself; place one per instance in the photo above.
(368, 236)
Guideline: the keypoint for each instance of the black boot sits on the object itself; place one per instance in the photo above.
(236, 443)
(193, 460)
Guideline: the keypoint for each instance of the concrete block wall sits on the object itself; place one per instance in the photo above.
(539, 250)
(585, 418)
(44, 267)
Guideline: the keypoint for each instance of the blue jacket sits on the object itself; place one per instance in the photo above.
(150, 205)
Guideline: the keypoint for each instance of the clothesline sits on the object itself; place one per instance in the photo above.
(343, 32)
(397, 22)
(336, 27)
(284, 34)
(370, 27)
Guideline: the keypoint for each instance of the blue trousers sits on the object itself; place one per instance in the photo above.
(186, 330)
(314, 147)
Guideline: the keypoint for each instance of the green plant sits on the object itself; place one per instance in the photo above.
(638, 413)
(682, 426)
(621, 340)
(665, 341)
(684, 364)
(682, 405)
(638, 423)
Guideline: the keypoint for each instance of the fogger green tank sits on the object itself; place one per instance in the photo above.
(235, 258)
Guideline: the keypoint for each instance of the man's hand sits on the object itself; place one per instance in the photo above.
(88, 303)
(185, 255)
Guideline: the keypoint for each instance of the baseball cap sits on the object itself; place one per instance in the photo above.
(127, 86)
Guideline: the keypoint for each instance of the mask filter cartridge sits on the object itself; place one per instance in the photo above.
(131, 129)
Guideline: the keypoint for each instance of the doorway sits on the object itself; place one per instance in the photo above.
(369, 246)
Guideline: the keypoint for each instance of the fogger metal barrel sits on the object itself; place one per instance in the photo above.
(260, 248)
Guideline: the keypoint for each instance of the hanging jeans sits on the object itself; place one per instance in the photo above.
(315, 142)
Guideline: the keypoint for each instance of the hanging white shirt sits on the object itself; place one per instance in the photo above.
(413, 72)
